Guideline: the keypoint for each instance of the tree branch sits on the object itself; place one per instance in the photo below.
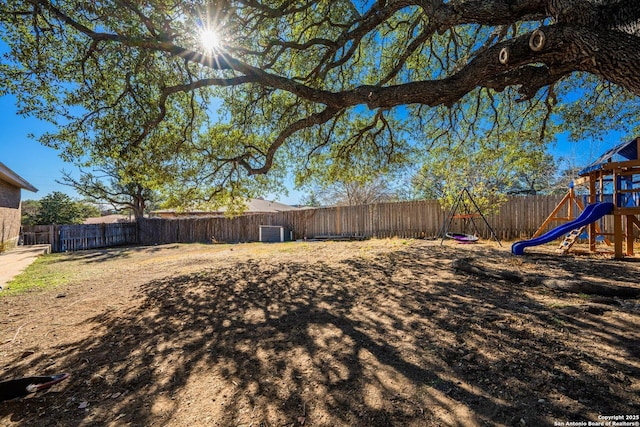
(312, 120)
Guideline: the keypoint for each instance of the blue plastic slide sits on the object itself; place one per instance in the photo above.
(591, 213)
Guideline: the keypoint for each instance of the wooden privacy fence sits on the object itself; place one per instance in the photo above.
(519, 218)
(78, 237)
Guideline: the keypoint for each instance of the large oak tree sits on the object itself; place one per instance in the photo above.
(312, 87)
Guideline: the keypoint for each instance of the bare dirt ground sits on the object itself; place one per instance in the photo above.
(373, 333)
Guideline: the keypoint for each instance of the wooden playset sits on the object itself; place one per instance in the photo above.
(614, 178)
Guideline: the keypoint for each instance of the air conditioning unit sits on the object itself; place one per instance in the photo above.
(275, 233)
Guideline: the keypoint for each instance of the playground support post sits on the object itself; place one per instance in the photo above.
(629, 229)
(617, 235)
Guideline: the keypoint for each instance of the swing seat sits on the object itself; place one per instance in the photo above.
(462, 238)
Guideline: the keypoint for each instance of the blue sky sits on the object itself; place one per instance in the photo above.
(39, 165)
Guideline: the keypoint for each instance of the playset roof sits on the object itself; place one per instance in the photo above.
(620, 153)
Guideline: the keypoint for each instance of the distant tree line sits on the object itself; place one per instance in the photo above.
(490, 179)
(57, 208)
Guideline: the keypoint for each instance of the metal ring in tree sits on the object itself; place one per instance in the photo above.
(503, 57)
(536, 41)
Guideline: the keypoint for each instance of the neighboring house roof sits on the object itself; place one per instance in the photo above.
(108, 219)
(620, 153)
(7, 175)
(253, 206)
(261, 205)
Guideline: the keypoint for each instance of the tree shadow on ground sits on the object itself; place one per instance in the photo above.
(395, 340)
(107, 254)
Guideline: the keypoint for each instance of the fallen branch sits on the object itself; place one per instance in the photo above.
(464, 264)
(16, 334)
(582, 287)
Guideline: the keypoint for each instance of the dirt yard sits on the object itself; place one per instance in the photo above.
(374, 333)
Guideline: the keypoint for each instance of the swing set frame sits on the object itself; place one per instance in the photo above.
(468, 215)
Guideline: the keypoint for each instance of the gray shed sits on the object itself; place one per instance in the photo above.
(275, 233)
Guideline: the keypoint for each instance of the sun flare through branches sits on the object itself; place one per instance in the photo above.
(210, 40)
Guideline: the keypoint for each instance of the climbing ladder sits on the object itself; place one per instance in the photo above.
(569, 240)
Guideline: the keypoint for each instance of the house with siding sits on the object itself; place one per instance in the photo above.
(11, 185)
